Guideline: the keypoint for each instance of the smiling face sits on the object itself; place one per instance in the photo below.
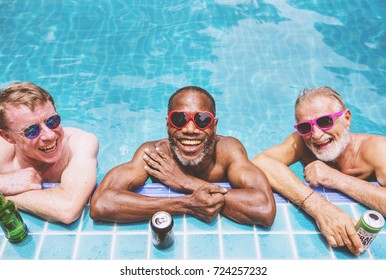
(47, 146)
(191, 145)
(326, 145)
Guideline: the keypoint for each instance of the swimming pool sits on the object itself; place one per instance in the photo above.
(112, 65)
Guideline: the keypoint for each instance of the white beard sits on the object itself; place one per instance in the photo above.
(194, 162)
(335, 150)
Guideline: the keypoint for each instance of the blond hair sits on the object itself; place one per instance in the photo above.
(22, 93)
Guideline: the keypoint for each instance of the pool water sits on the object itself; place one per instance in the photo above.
(112, 65)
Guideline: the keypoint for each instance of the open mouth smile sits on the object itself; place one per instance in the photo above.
(323, 143)
(190, 145)
(48, 149)
(187, 142)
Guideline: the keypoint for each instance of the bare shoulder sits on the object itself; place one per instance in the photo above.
(229, 148)
(80, 140)
(228, 143)
(140, 152)
(291, 150)
(7, 153)
(133, 170)
(76, 134)
(151, 145)
(6, 147)
(372, 146)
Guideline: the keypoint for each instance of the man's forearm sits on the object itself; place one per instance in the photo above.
(127, 207)
(283, 180)
(249, 206)
(362, 191)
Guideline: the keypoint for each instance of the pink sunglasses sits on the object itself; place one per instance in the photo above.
(323, 122)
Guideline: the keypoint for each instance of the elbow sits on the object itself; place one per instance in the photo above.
(96, 213)
(96, 209)
(267, 215)
(265, 212)
(99, 207)
(69, 216)
(260, 161)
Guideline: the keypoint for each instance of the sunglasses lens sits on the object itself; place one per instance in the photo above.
(203, 119)
(32, 131)
(304, 128)
(178, 119)
(53, 122)
(325, 122)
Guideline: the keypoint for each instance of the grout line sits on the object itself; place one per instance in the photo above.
(149, 241)
(355, 212)
(208, 232)
(39, 248)
(220, 237)
(331, 249)
(3, 245)
(257, 243)
(290, 233)
(76, 246)
(113, 241)
(185, 239)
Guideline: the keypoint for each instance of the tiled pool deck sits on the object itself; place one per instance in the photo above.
(293, 236)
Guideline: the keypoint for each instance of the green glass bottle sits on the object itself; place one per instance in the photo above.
(11, 222)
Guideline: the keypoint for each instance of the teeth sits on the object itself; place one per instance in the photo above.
(322, 142)
(47, 148)
(190, 142)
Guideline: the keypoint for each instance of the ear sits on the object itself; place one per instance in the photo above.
(7, 137)
(167, 123)
(215, 122)
(347, 118)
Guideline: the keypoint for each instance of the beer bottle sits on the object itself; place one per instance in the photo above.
(11, 222)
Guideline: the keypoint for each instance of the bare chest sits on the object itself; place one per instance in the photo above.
(215, 174)
(361, 171)
(54, 173)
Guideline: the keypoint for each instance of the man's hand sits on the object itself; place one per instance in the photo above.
(318, 173)
(165, 169)
(206, 202)
(20, 181)
(338, 228)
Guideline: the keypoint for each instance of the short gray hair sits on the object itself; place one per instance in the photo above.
(306, 94)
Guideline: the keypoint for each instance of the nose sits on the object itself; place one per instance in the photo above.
(190, 128)
(46, 133)
(316, 132)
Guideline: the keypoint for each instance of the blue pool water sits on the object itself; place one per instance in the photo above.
(112, 65)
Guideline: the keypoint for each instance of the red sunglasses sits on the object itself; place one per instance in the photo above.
(179, 119)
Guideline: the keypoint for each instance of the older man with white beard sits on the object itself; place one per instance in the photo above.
(334, 158)
(191, 160)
